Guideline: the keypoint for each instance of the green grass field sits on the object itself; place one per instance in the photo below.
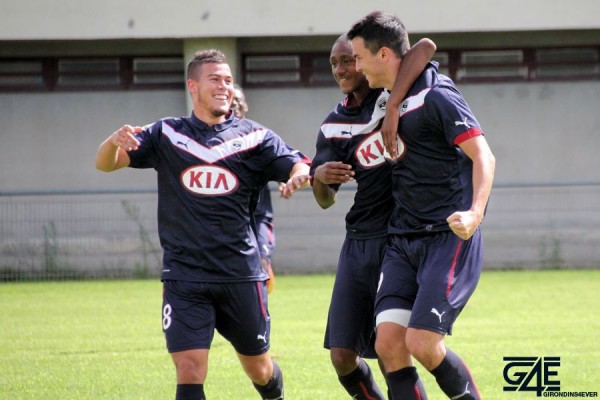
(103, 340)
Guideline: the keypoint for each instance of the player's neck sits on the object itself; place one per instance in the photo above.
(360, 94)
(208, 116)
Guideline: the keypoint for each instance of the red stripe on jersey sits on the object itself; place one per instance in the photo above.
(466, 135)
(452, 268)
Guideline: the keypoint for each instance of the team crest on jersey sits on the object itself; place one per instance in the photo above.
(404, 106)
(209, 180)
(371, 153)
(381, 103)
(237, 145)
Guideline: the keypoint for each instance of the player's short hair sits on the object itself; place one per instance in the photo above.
(211, 56)
(380, 29)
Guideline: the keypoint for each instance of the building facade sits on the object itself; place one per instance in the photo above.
(72, 72)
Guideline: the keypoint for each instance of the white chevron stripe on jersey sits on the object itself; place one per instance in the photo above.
(414, 102)
(216, 153)
(346, 131)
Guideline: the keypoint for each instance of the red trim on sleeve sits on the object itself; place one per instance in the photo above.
(466, 135)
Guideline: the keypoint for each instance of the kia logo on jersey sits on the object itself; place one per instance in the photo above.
(209, 180)
(371, 152)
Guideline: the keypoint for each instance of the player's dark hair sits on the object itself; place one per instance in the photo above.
(380, 29)
(202, 57)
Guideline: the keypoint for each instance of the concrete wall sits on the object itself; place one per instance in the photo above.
(539, 132)
(49, 141)
(112, 19)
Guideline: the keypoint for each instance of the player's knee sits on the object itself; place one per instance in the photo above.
(343, 360)
(259, 372)
(189, 370)
(389, 341)
(427, 347)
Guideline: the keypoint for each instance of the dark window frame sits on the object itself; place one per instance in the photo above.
(305, 70)
(529, 65)
(125, 73)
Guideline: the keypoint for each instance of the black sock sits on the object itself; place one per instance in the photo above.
(360, 383)
(454, 378)
(405, 384)
(273, 390)
(190, 392)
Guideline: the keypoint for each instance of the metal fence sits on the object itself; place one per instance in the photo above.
(113, 234)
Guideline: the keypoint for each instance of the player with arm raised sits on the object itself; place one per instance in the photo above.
(349, 146)
(442, 179)
(210, 167)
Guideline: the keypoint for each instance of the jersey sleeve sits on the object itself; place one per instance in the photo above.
(450, 113)
(278, 158)
(146, 155)
(324, 153)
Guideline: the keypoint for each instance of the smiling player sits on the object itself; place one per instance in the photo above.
(210, 167)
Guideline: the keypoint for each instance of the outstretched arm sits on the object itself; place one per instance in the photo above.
(112, 153)
(413, 63)
(299, 179)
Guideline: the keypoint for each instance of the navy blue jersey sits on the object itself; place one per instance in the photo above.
(208, 181)
(351, 134)
(433, 176)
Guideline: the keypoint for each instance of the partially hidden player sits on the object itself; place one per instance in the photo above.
(263, 215)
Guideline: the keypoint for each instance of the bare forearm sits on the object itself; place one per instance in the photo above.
(324, 194)
(112, 154)
(107, 156)
(299, 169)
(483, 176)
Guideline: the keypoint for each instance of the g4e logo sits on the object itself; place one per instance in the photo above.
(531, 374)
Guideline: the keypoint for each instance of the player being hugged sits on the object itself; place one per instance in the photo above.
(210, 167)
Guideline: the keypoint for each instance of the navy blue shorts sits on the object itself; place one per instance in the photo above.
(266, 239)
(433, 276)
(351, 322)
(191, 312)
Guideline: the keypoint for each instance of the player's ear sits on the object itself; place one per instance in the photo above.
(192, 85)
(385, 53)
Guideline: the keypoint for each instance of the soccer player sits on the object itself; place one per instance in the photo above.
(210, 167)
(349, 146)
(442, 178)
(263, 215)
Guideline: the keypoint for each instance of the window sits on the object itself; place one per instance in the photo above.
(567, 63)
(91, 73)
(491, 65)
(155, 70)
(290, 70)
(21, 74)
(272, 69)
(88, 72)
